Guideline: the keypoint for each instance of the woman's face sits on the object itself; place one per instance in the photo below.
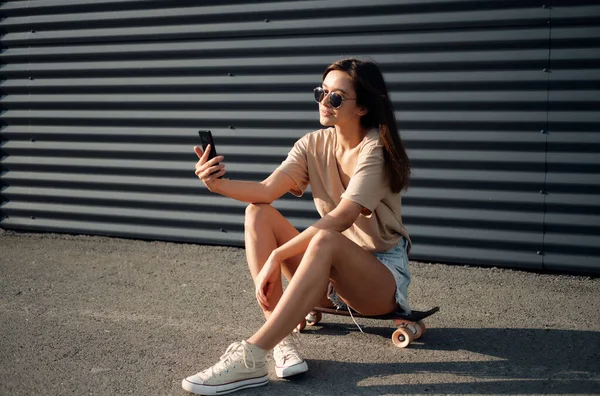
(348, 113)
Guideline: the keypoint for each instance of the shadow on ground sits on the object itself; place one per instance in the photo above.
(513, 361)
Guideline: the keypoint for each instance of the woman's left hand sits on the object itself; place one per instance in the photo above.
(266, 280)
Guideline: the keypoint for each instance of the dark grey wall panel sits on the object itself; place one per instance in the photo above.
(572, 222)
(102, 99)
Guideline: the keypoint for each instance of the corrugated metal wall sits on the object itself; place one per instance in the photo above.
(496, 100)
(572, 220)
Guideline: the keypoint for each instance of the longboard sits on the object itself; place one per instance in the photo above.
(410, 326)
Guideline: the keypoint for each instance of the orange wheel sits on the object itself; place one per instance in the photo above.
(402, 337)
(313, 318)
(302, 325)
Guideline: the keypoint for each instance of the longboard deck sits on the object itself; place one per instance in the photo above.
(414, 316)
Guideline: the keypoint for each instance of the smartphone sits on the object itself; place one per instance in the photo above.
(206, 139)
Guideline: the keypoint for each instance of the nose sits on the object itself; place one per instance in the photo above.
(326, 100)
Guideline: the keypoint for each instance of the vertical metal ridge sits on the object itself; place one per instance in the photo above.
(544, 132)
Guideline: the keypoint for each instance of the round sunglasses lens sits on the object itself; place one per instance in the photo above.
(319, 94)
(335, 100)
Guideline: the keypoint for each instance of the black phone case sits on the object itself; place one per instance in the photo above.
(206, 139)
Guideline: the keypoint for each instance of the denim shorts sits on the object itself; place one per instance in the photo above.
(396, 260)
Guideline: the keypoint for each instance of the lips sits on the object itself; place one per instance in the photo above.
(326, 113)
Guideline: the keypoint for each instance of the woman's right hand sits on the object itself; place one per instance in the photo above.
(266, 280)
(205, 170)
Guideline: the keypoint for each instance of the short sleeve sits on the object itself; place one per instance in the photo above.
(296, 166)
(367, 186)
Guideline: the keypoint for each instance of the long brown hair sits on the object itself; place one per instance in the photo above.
(372, 94)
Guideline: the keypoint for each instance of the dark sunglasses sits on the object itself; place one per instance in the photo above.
(335, 99)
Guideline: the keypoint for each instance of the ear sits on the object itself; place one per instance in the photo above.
(362, 111)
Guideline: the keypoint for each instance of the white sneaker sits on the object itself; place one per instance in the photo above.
(242, 366)
(288, 361)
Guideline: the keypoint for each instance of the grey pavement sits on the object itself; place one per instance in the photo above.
(86, 315)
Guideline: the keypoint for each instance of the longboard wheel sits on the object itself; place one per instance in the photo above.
(302, 325)
(402, 337)
(313, 318)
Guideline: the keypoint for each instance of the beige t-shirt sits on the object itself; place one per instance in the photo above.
(312, 161)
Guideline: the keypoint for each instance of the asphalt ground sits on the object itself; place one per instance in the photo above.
(88, 315)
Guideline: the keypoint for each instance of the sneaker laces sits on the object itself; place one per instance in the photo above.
(355, 322)
(329, 290)
(296, 337)
(292, 342)
(227, 357)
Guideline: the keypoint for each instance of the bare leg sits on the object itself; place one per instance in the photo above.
(265, 229)
(359, 278)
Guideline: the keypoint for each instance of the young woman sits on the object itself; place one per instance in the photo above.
(355, 255)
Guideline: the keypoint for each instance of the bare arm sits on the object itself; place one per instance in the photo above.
(339, 219)
(277, 184)
(267, 191)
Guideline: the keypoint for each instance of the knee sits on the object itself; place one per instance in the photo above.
(325, 240)
(322, 248)
(255, 213)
